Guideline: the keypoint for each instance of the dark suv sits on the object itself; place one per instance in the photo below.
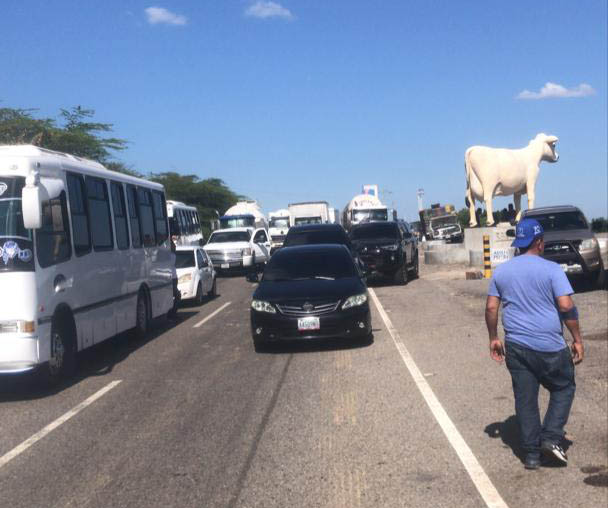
(386, 248)
(570, 242)
(316, 234)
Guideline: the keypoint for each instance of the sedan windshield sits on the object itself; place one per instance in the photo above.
(323, 264)
(184, 259)
(229, 236)
(561, 221)
(375, 231)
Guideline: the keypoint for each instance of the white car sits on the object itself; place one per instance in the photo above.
(195, 274)
(238, 248)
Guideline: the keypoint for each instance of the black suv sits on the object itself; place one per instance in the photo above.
(317, 234)
(570, 242)
(386, 248)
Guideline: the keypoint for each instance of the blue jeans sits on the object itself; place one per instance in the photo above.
(555, 371)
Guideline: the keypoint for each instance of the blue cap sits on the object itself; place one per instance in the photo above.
(526, 232)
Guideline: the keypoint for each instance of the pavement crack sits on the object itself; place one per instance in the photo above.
(258, 437)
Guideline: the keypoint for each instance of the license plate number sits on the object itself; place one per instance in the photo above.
(225, 265)
(309, 323)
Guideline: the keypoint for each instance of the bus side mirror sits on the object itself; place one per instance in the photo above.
(31, 204)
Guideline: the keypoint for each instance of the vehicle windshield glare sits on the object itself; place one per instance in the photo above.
(444, 221)
(300, 221)
(378, 230)
(11, 216)
(281, 222)
(184, 259)
(316, 237)
(561, 221)
(336, 264)
(229, 236)
(370, 215)
(238, 222)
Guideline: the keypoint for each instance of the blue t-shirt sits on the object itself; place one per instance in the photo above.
(528, 286)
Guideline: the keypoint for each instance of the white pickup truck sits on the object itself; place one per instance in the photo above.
(238, 248)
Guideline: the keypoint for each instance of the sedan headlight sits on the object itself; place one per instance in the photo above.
(589, 244)
(184, 278)
(246, 252)
(354, 301)
(262, 306)
(393, 247)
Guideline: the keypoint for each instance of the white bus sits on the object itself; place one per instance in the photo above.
(184, 224)
(84, 255)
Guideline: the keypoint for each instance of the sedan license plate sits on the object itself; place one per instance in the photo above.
(308, 323)
(225, 265)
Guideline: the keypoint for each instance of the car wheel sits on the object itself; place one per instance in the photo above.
(62, 360)
(142, 316)
(199, 294)
(213, 291)
(600, 278)
(416, 268)
(401, 275)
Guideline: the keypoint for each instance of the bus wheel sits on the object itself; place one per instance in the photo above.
(142, 314)
(62, 359)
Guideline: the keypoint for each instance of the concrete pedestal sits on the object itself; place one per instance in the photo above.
(500, 244)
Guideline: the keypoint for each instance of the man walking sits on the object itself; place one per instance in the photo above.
(535, 295)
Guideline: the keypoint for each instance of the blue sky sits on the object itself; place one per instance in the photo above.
(308, 100)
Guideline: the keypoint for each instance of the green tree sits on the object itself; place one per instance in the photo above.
(599, 225)
(76, 134)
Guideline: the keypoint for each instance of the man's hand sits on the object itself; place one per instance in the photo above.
(578, 352)
(497, 350)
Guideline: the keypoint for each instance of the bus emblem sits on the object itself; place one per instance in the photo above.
(3, 188)
(10, 250)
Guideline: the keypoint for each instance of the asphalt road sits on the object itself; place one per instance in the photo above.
(199, 419)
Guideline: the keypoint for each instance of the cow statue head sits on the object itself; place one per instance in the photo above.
(547, 145)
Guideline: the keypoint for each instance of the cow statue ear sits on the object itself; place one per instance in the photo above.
(552, 139)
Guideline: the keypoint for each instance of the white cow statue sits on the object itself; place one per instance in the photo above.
(501, 172)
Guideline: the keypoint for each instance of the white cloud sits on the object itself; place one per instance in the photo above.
(553, 90)
(263, 10)
(158, 15)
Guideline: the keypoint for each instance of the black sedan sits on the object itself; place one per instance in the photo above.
(310, 292)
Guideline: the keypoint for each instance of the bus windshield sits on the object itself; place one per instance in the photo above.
(15, 241)
(11, 220)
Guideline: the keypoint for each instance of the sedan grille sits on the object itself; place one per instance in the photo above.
(308, 309)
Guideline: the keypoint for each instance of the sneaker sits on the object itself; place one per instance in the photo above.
(554, 451)
(532, 461)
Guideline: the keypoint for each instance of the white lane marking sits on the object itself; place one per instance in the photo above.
(479, 477)
(53, 425)
(201, 323)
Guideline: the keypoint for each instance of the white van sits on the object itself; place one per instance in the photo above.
(84, 255)
(184, 223)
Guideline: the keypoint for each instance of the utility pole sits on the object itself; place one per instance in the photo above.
(419, 194)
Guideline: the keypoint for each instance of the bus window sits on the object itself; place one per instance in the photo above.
(160, 217)
(52, 239)
(182, 222)
(99, 209)
(78, 212)
(190, 222)
(146, 216)
(133, 216)
(120, 216)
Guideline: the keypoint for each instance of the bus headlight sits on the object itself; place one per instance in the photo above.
(17, 326)
(354, 301)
